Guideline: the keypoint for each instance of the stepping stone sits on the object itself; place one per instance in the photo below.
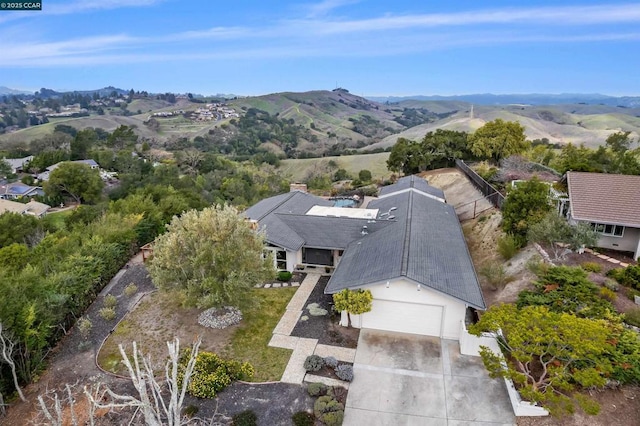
(295, 284)
(277, 285)
(624, 265)
(602, 256)
(258, 286)
(267, 286)
(614, 260)
(285, 284)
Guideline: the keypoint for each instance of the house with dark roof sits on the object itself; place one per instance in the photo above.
(611, 204)
(406, 247)
(44, 176)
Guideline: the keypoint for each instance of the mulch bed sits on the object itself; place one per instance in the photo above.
(328, 371)
(273, 403)
(325, 328)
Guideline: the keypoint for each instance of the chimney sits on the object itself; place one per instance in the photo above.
(298, 187)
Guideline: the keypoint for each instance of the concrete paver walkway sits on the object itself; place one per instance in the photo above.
(302, 348)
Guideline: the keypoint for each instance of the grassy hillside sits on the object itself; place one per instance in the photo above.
(556, 124)
(300, 169)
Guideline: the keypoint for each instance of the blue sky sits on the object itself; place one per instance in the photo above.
(369, 47)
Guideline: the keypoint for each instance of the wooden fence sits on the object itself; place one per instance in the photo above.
(490, 193)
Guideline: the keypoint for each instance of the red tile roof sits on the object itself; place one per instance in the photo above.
(605, 198)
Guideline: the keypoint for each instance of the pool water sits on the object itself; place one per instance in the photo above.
(345, 202)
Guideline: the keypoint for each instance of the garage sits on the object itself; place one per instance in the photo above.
(414, 318)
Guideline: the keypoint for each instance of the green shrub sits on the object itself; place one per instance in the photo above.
(110, 301)
(313, 363)
(633, 317)
(326, 404)
(317, 389)
(536, 266)
(611, 285)
(245, 418)
(212, 374)
(108, 314)
(284, 276)
(567, 289)
(130, 290)
(84, 327)
(190, 411)
(507, 246)
(631, 294)
(495, 275)
(303, 418)
(591, 266)
(629, 276)
(333, 418)
(608, 294)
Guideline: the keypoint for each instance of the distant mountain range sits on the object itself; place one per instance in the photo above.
(524, 99)
(7, 91)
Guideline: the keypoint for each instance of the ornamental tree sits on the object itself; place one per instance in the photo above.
(210, 258)
(550, 354)
(353, 301)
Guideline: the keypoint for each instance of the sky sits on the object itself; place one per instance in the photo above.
(371, 48)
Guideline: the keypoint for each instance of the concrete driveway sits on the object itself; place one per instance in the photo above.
(405, 379)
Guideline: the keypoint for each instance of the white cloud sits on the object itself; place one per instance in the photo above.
(324, 7)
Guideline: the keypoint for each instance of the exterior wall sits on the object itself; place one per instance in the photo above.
(402, 290)
(293, 258)
(628, 241)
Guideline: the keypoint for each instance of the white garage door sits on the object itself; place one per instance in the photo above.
(404, 317)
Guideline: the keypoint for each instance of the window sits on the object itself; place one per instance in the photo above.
(281, 260)
(608, 230)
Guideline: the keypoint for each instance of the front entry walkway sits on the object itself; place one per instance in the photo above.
(302, 348)
(405, 379)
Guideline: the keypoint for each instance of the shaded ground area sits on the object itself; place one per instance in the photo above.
(325, 328)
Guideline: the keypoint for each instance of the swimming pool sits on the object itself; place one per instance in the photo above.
(344, 202)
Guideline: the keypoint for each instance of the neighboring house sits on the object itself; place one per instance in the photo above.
(18, 164)
(44, 176)
(407, 247)
(17, 190)
(33, 208)
(611, 204)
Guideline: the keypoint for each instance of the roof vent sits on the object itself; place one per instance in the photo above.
(365, 230)
(391, 217)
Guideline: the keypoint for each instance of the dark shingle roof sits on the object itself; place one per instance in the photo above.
(605, 198)
(412, 182)
(277, 232)
(329, 232)
(424, 244)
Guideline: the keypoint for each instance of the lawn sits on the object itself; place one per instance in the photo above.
(249, 342)
(56, 220)
(160, 318)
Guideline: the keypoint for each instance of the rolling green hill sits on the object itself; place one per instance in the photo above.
(299, 169)
(555, 123)
(337, 120)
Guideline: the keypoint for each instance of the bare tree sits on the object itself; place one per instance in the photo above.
(6, 348)
(156, 409)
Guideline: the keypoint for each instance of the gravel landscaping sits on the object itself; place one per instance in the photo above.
(314, 323)
(220, 318)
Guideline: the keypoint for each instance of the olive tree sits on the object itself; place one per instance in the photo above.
(210, 258)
